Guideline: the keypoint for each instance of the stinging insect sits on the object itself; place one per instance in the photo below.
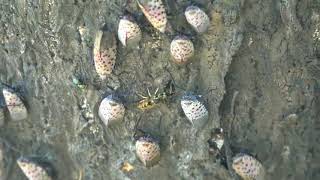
(150, 101)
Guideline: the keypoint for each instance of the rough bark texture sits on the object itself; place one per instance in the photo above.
(257, 68)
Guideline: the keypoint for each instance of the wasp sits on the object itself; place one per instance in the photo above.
(150, 101)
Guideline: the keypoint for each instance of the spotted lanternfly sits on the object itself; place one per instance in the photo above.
(105, 47)
(193, 108)
(181, 49)
(247, 167)
(216, 141)
(197, 18)
(148, 150)
(155, 12)
(111, 109)
(14, 104)
(128, 31)
(33, 170)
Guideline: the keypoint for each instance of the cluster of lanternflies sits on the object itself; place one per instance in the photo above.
(111, 108)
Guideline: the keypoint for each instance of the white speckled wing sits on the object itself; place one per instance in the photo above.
(110, 110)
(16, 107)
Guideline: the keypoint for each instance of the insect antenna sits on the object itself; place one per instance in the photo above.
(142, 96)
(149, 92)
(156, 96)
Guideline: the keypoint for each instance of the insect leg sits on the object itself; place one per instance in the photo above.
(142, 96)
(149, 92)
(155, 93)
